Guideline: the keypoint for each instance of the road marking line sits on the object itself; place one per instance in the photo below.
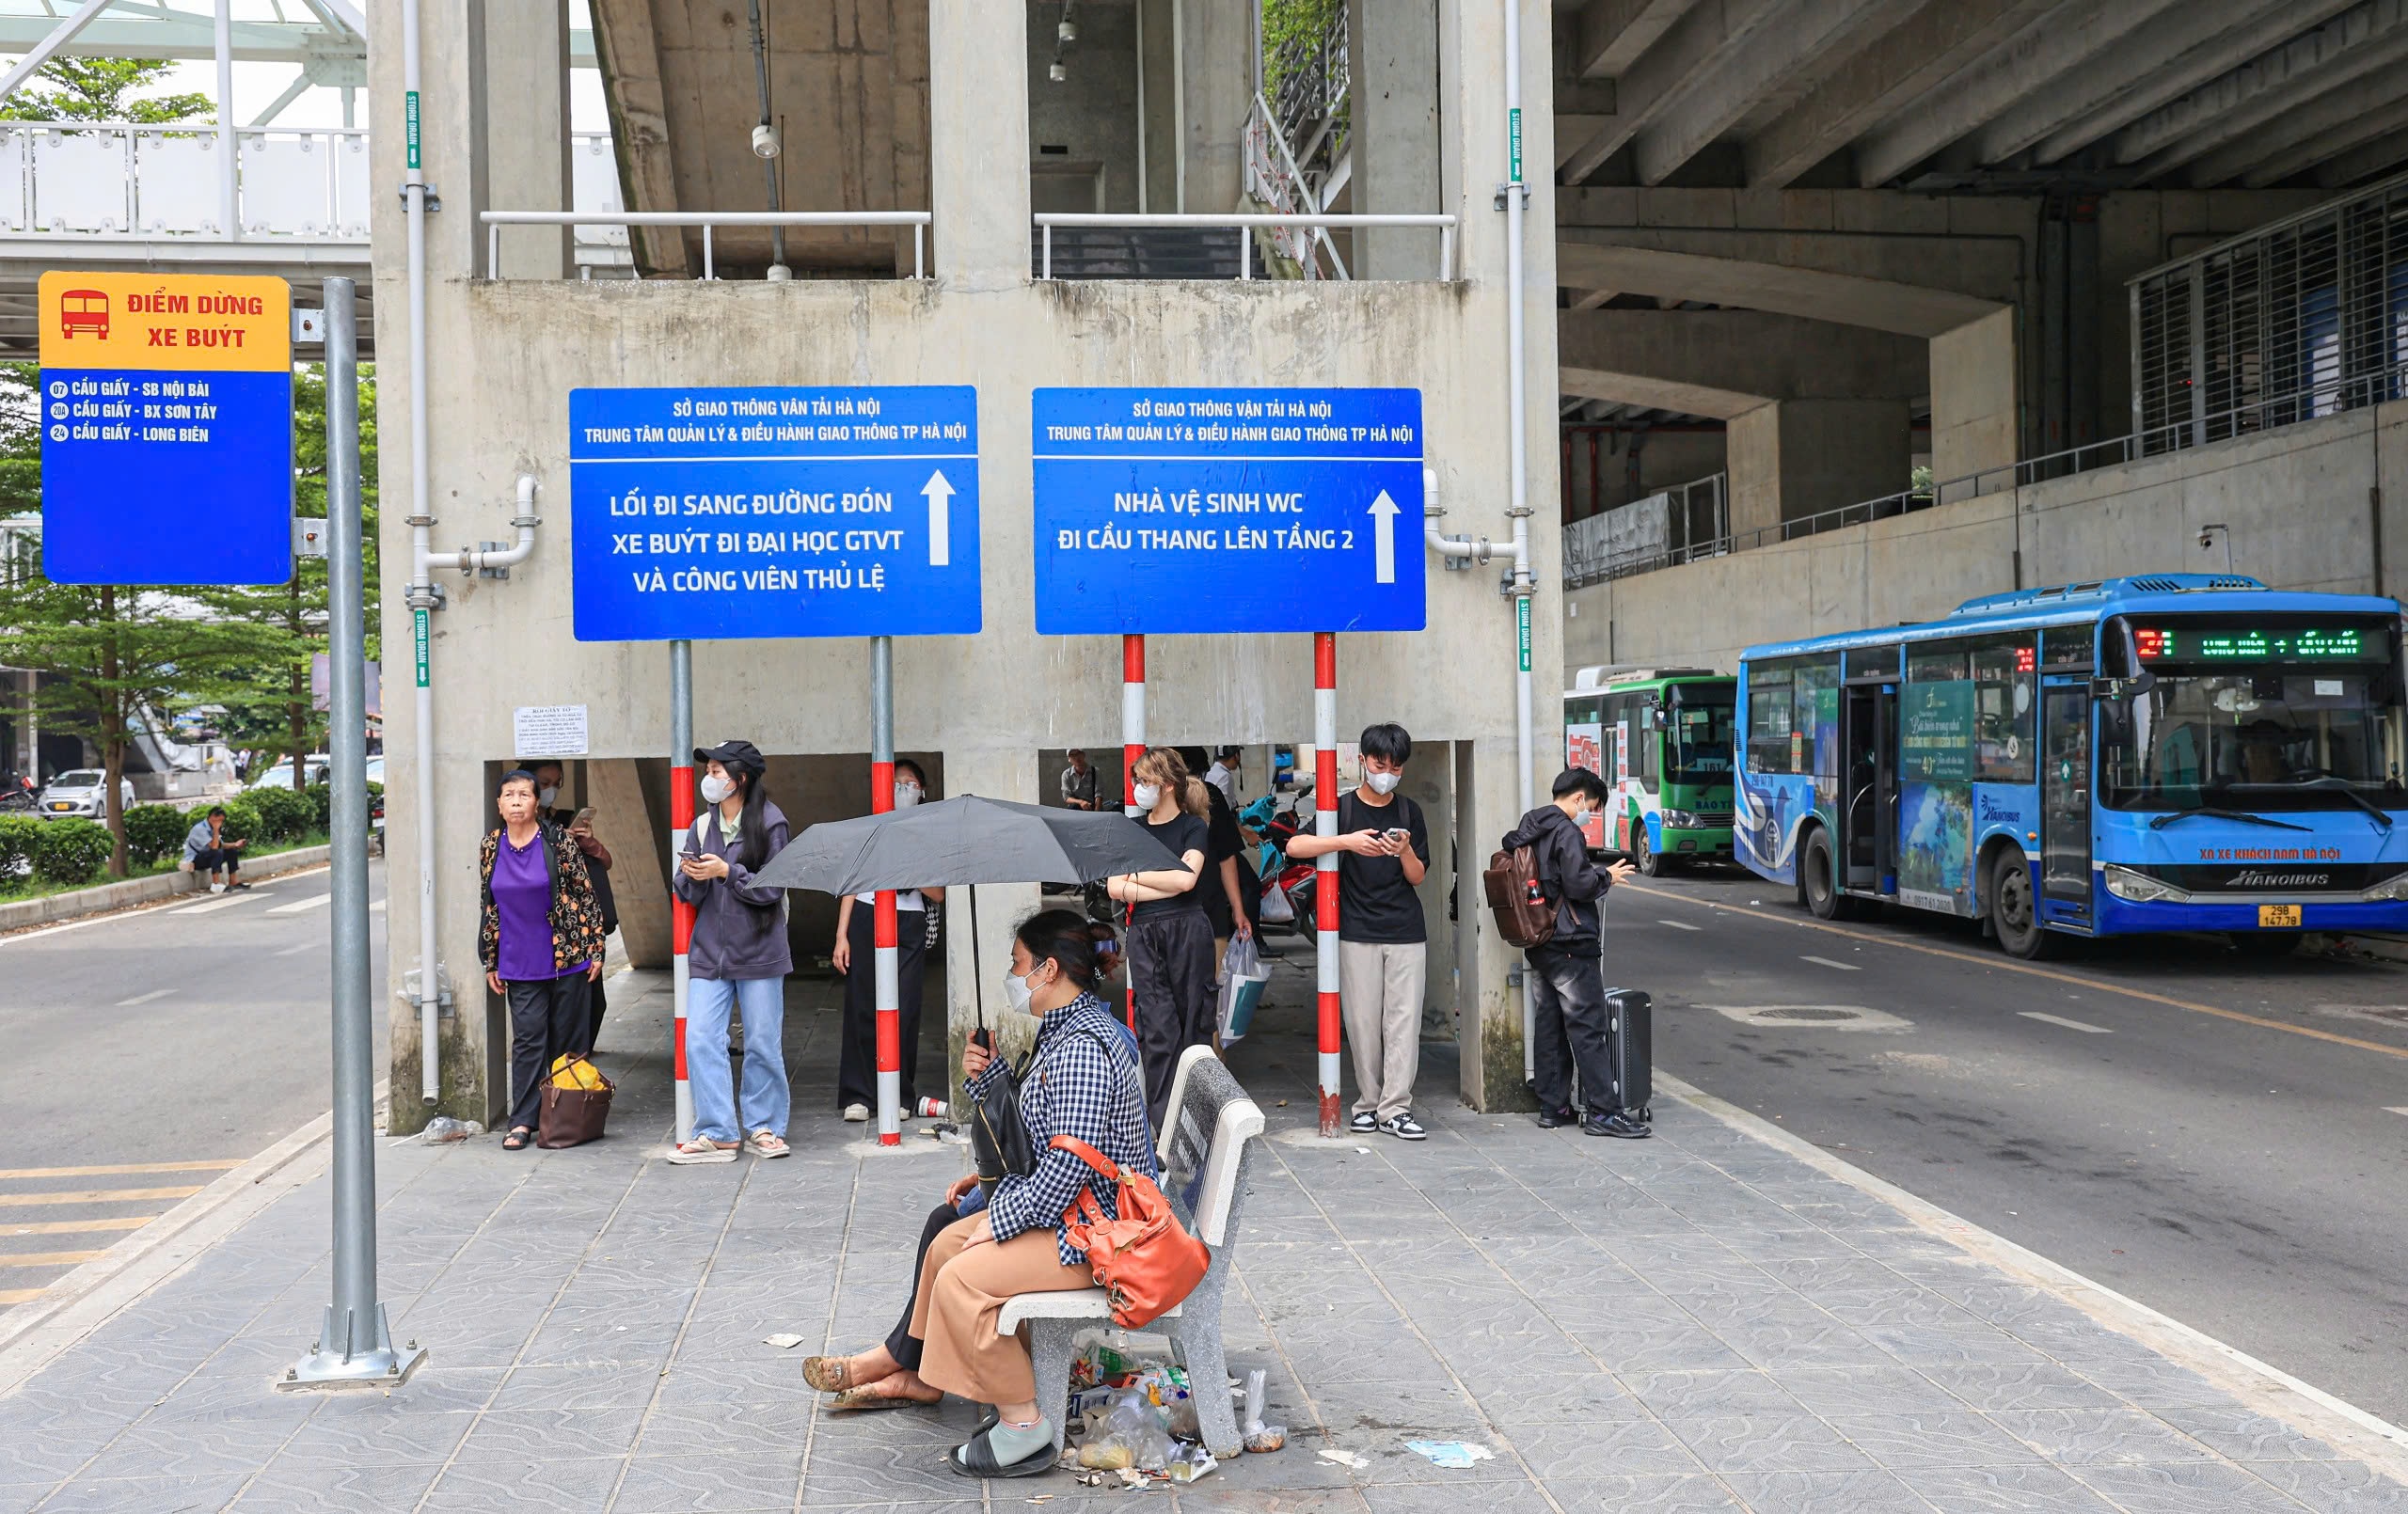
(224, 901)
(300, 904)
(21, 1295)
(1677, 925)
(46, 1258)
(152, 997)
(2005, 963)
(296, 951)
(68, 1227)
(2060, 1019)
(1824, 961)
(119, 1195)
(120, 1168)
(2396, 1109)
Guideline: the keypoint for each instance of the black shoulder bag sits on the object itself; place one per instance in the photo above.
(998, 1136)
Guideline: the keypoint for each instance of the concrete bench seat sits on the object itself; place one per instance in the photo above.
(1206, 1149)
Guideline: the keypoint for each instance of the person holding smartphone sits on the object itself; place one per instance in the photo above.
(1383, 846)
(578, 824)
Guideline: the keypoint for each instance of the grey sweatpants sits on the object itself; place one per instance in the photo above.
(1379, 995)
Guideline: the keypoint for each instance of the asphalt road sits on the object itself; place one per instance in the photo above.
(142, 1054)
(2218, 1137)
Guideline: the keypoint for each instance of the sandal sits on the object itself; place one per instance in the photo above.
(869, 1397)
(828, 1374)
(518, 1139)
(767, 1143)
(700, 1151)
(977, 1459)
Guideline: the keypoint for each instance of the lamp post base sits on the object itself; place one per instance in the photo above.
(376, 1362)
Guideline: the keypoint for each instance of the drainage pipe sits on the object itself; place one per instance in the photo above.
(1517, 443)
(420, 593)
(485, 559)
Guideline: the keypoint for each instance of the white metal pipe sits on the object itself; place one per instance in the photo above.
(1517, 426)
(472, 559)
(420, 593)
(1233, 219)
(1462, 548)
(704, 218)
(230, 205)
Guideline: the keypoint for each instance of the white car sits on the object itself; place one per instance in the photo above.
(280, 776)
(81, 793)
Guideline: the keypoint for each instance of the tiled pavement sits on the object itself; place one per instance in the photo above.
(1698, 1322)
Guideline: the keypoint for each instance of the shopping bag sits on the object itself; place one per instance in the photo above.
(1242, 977)
(575, 1105)
(1276, 910)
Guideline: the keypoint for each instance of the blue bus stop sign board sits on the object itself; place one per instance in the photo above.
(1208, 511)
(166, 428)
(714, 515)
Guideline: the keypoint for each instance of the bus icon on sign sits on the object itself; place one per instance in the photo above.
(84, 309)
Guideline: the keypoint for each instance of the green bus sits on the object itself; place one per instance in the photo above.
(1660, 737)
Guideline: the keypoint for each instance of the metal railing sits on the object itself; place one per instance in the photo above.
(2239, 420)
(1274, 179)
(1307, 80)
(917, 220)
(1672, 525)
(1245, 226)
(132, 180)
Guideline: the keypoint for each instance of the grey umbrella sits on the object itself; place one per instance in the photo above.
(965, 840)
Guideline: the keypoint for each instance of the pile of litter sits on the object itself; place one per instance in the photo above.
(1133, 1423)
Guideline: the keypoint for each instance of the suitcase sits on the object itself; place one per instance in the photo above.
(1631, 1051)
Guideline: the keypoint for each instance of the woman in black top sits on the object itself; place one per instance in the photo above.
(1170, 937)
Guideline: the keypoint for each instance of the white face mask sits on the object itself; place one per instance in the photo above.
(905, 795)
(1147, 795)
(1018, 991)
(1383, 782)
(546, 796)
(716, 789)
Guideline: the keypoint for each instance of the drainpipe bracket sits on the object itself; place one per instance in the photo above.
(488, 549)
(434, 200)
(427, 595)
(1507, 188)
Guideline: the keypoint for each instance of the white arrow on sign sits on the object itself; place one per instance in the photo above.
(939, 494)
(1384, 513)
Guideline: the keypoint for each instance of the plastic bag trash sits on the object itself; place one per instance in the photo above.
(444, 1129)
(1131, 1435)
(783, 1341)
(1344, 1459)
(1456, 1454)
(1256, 1436)
(1188, 1463)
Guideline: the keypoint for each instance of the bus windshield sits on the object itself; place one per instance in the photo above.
(1697, 749)
(2256, 738)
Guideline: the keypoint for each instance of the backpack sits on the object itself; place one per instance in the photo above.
(1517, 897)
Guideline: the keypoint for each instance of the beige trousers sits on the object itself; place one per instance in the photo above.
(1379, 995)
(962, 1294)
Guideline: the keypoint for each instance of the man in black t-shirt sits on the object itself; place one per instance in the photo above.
(1383, 846)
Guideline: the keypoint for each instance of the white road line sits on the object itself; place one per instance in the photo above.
(2060, 1019)
(1824, 961)
(151, 997)
(1679, 925)
(222, 902)
(2396, 1109)
(296, 951)
(300, 904)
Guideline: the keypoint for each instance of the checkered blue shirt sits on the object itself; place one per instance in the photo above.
(1082, 1080)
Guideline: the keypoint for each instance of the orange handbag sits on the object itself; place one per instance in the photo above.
(1145, 1261)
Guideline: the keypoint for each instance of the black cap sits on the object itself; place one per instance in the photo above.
(732, 754)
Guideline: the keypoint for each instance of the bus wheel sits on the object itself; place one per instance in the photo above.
(2014, 917)
(2265, 944)
(1644, 857)
(1818, 882)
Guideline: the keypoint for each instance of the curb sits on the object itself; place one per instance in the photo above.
(130, 892)
(2261, 1385)
(33, 1335)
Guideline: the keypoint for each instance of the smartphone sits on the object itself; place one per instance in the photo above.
(583, 817)
(1399, 833)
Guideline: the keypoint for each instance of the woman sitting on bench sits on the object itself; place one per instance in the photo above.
(1083, 1080)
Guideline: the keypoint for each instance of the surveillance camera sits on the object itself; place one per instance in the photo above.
(764, 141)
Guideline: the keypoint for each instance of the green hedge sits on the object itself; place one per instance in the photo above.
(72, 851)
(282, 815)
(155, 833)
(18, 836)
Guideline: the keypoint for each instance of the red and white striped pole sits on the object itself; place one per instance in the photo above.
(881, 800)
(1132, 745)
(1325, 866)
(681, 815)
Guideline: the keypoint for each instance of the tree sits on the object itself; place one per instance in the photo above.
(101, 90)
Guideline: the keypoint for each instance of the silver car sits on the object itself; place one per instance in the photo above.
(81, 793)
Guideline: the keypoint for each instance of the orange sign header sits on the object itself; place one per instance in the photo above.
(178, 322)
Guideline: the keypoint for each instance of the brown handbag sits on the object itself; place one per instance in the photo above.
(1145, 1261)
(570, 1115)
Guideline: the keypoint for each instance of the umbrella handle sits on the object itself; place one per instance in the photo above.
(977, 980)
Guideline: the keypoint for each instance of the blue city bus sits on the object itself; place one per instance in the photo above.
(2176, 752)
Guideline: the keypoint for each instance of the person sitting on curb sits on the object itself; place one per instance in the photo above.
(208, 851)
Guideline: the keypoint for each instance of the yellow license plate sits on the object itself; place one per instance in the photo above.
(2271, 916)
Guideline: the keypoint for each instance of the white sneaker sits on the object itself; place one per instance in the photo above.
(217, 888)
(856, 1113)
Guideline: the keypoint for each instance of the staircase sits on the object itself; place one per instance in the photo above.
(1144, 252)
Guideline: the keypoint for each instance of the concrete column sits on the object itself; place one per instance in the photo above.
(518, 93)
(1392, 49)
(1430, 783)
(1216, 91)
(625, 822)
(998, 773)
(1157, 113)
(1974, 397)
(1794, 458)
(979, 151)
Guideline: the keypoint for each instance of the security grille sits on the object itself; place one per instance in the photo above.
(2304, 318)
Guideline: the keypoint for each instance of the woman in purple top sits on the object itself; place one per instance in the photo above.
(540, 938)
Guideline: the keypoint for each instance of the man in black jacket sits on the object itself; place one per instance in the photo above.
(1567, 984)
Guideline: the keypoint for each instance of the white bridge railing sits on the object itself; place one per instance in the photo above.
(1245, 226)
(494, 220)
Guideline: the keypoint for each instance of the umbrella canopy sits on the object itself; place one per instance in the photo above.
(965, 840)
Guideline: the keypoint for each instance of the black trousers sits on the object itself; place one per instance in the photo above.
(900, 1343)
(1170, 968)
(598, 1001)
(1569, 1022)
(214, 859)
(857, 1053)
(547, 1018)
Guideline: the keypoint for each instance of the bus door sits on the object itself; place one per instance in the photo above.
(2064, 799)
(1868, 783)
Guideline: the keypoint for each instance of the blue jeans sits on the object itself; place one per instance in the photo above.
(709, 1002)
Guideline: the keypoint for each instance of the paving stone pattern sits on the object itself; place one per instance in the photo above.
(1698, 1322)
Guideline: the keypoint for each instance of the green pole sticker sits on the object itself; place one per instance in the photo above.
(1513, 131)
(1522, 627)
(409, 121)
(417, 640)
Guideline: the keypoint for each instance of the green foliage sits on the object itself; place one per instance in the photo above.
(102, 89)
(19, 835)
(321, 805)
(1292, 28)
(154, 832)
(72, 851)
(242, 819)
(283, 813)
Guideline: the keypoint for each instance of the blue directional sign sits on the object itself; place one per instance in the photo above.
(724, 514)
(1205, 511)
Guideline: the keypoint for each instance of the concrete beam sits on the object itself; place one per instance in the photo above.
(2365, 37)
(1574, 131)
(1677, 62)
(1737, 355)
(1614, 32)
(1742, 77)
(2364, 112)
(1642, 392)
(1591, 299)
(629, 51)
(2363, 162)
(2028, 65)
(1902, 66)
(1915, 286)
(2146, 77)
(1801, 457)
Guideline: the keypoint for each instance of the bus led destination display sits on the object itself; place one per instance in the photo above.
(2332, 644)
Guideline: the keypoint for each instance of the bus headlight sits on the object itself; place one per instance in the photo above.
(2389, 890)
(1680, 819)
(2138, 888)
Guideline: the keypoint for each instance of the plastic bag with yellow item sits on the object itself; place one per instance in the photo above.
(572, 1070)
(575, 1105)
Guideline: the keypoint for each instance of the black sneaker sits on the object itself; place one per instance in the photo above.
(1557, 1119)
(1364, 1122)
(1617, 1125)
(1406, 1127)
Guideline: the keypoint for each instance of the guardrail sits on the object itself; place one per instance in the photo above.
(1275, 178)
(1244, 225)
(917, 220)
(129, 179)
